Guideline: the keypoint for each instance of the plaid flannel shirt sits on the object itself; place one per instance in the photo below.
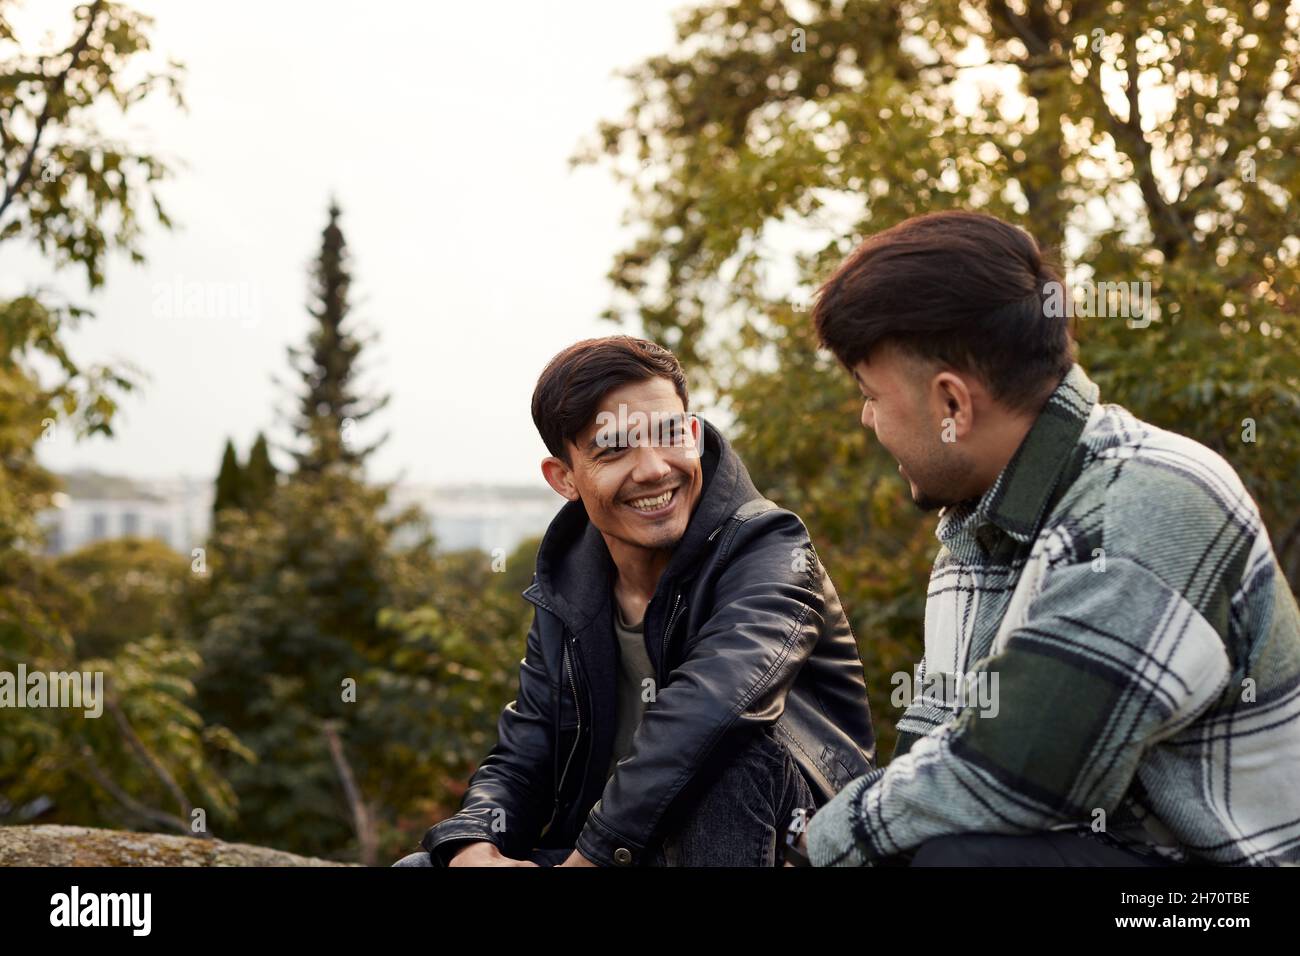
(1111, 645)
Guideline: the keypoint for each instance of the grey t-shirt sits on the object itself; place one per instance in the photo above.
(634, 669)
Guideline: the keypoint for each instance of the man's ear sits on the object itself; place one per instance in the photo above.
(696, 429)
(560, 477)
(951, 399)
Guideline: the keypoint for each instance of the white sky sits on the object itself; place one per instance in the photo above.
(444, 130)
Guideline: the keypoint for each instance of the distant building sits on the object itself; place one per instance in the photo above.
(94, 507)
(178, 511)
(485, 517)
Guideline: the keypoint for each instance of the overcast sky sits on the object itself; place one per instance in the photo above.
(445, 131)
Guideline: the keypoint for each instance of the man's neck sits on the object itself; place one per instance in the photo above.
(637, 574)
(1001, 443)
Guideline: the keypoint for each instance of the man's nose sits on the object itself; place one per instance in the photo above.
(651, 464)
(868, 416)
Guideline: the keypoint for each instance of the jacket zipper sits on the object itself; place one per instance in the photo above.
(573, 685)
(672, 618)
(663, 649)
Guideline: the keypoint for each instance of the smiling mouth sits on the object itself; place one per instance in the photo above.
(653, 504)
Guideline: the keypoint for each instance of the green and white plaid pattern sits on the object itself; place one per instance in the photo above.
(1117, 589)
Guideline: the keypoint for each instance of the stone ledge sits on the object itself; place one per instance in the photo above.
(84, 846)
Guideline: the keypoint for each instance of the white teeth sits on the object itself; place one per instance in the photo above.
(649, 504)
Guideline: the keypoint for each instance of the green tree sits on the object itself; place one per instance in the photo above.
(230, 482)
(288, 622)
(1150, 142)
(69, 187)
(260, 475)
(74, 193)
(288, 625)
(456, 666)
(141, 762)
(132, 585)
(61, 180)
(330, 406)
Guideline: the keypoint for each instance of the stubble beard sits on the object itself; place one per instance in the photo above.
(947, 473)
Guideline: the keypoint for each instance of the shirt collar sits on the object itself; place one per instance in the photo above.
(1018, 499)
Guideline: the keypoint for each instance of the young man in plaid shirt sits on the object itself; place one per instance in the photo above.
(1112, 653)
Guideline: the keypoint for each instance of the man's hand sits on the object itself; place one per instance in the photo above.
(802, 845)
(577, 859)
(484, 853)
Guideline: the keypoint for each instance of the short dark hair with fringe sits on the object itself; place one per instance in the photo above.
(964, 289)
(570, 388)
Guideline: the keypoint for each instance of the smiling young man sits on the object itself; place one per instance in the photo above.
(1110, 581)
(690, 680)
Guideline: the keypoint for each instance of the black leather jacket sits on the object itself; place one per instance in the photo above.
(745, 631)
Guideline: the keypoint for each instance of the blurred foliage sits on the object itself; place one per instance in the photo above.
(70, 188)
(286, 615)
(259, 476)
(140, 762)
(228, 490)
(458, 665)
(286, 611)
(132, 586)
(1144, 142)
(314, 591)
(247, 486)
(74, 192)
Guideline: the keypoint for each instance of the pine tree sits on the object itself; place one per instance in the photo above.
(260, 475)
(275, 670)
(230, 482)
(330, 409)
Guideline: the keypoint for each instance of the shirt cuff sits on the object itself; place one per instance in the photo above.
(836, 836)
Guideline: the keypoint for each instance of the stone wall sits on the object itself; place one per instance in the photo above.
(84, 846)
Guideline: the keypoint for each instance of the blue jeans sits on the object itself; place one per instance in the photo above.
(735, 813)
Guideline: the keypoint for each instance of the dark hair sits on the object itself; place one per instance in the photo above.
(573, 383)
(962, 288)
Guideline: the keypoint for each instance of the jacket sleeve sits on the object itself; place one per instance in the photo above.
(510, 796)
(1054, 725)
(767, 613)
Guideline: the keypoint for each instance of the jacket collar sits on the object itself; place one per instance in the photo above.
(574, 570)
(1019, 498)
